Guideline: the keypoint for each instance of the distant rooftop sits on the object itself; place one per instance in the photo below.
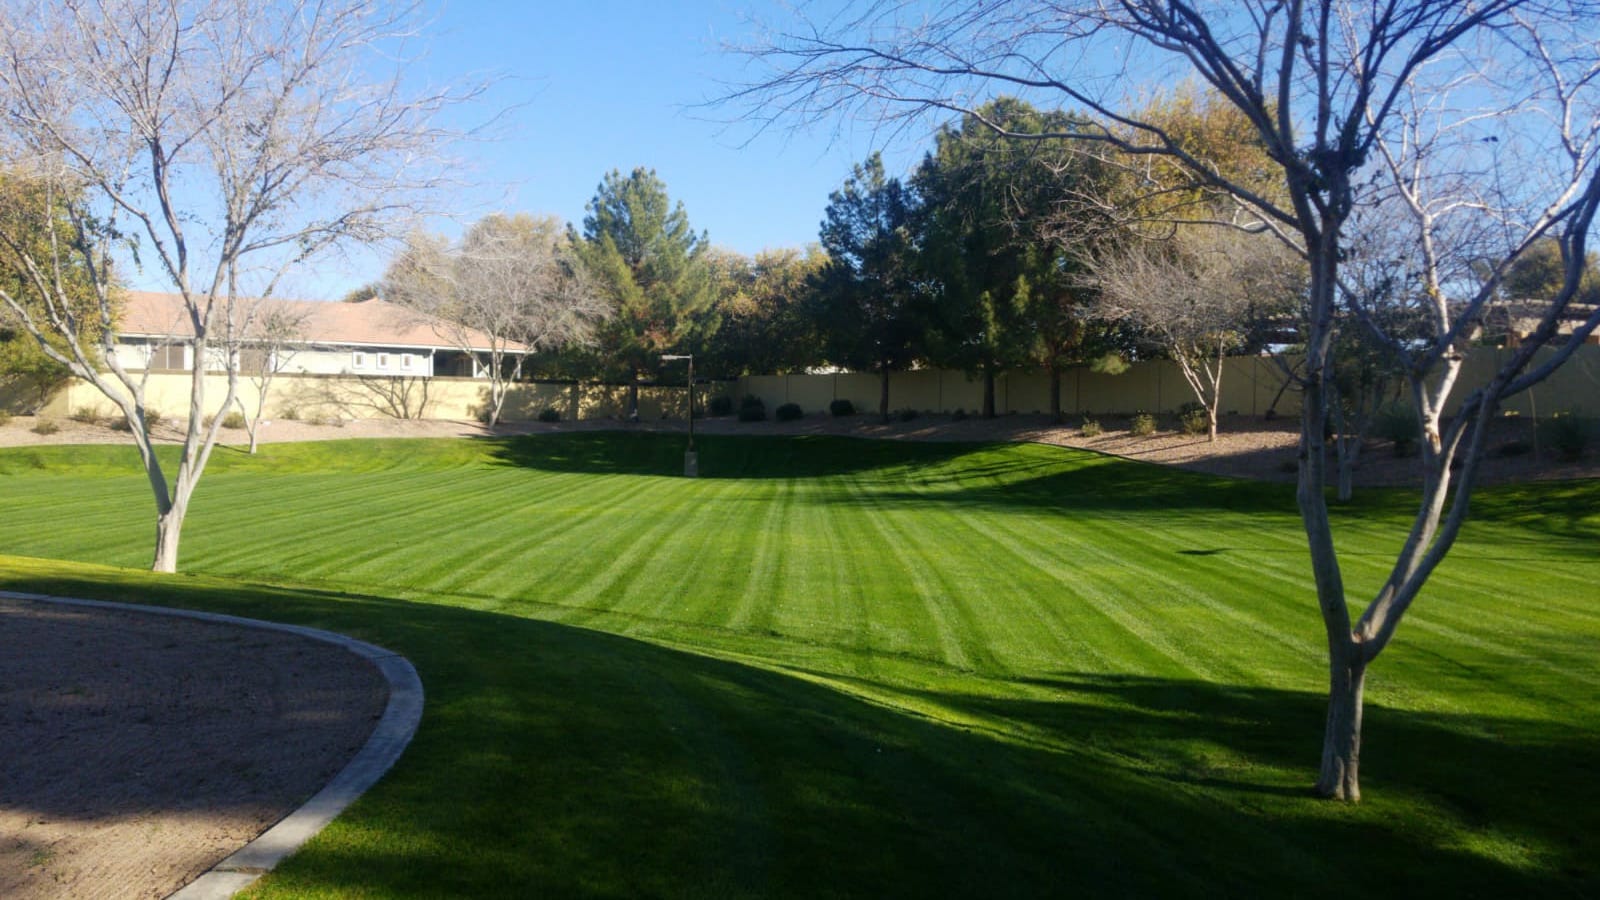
(370, 323)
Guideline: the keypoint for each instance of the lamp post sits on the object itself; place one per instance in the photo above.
(691, 460)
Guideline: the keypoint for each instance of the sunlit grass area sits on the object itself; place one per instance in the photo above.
(835, 667)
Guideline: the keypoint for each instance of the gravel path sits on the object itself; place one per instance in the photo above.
(136, 751)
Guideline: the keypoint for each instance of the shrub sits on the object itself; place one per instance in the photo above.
(5, 417)
(722, 405)
(960, 415)
(1514, 448)
(549, 414)
(906, 414)
(1398, 425)
(1142, 424)
(1567, 434)
(751, 409)
(1091, 428)
(1109, 364)
(85, 414)
(842, 407)
(290, 413)
(45, 426)
(788, 412)
(1192, 419)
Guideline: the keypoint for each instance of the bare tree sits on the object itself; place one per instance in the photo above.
(1475, 122)
(267, 349)
(221, 141)
(511, 288)
(1198, 295)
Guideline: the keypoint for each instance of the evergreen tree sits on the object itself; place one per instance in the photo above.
(643, 252)
(867, 306)
(1005, 221)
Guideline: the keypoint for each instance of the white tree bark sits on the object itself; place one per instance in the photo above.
(229, 141)
(512, 287)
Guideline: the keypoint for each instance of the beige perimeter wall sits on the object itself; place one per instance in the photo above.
(1250, 386)
(346, 397)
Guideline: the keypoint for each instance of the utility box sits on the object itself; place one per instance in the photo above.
(691, 464)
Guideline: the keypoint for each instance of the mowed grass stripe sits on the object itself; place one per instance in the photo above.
(1019, 590)
(1144, 724)
(475, 531)
(670, 592)
(757, 599)
(329, 522)
(562, 535)
(949, 643)
(1099, 583)
(642, 539)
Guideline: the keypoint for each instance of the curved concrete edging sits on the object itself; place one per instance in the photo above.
(395, 728)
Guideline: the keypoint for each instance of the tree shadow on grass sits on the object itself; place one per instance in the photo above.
(720, 457)
(976, 474)
(556, 761)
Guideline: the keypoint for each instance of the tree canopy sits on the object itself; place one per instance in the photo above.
(643, 252)
(869, 304)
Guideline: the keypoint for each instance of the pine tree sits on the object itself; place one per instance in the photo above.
(640, 247)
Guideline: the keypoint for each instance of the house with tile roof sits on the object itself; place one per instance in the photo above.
(370, 338)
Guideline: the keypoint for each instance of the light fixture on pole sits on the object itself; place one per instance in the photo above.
(691, 460)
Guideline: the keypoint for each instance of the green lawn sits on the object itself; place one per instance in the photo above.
(851, 668)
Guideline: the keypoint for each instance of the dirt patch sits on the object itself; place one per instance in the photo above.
(136, 751)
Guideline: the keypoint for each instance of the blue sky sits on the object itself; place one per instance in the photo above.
(612, 84)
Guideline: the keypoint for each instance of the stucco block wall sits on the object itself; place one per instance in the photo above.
(351, 397)
(1250, 386)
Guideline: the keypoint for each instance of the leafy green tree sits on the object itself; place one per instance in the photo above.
(1539, 273)
(1004, 223)
(868, 307)
(361, 294)
(764, 302)
(25, 234)
(640, 248)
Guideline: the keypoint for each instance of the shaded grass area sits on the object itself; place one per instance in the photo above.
(869, 669)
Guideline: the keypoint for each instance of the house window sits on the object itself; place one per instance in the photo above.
(168, 356)
(254, 360)
(406, 360)
(358, 360)
(383, 360)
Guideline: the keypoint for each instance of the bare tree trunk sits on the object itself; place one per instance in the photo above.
(497, 400)
(1211, 422)
(1341, 741)
(633, 398)
(252, 424)
(988, 392)
(169, 528)
(1339, 777)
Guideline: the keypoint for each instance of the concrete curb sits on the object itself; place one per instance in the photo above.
(394, 731)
